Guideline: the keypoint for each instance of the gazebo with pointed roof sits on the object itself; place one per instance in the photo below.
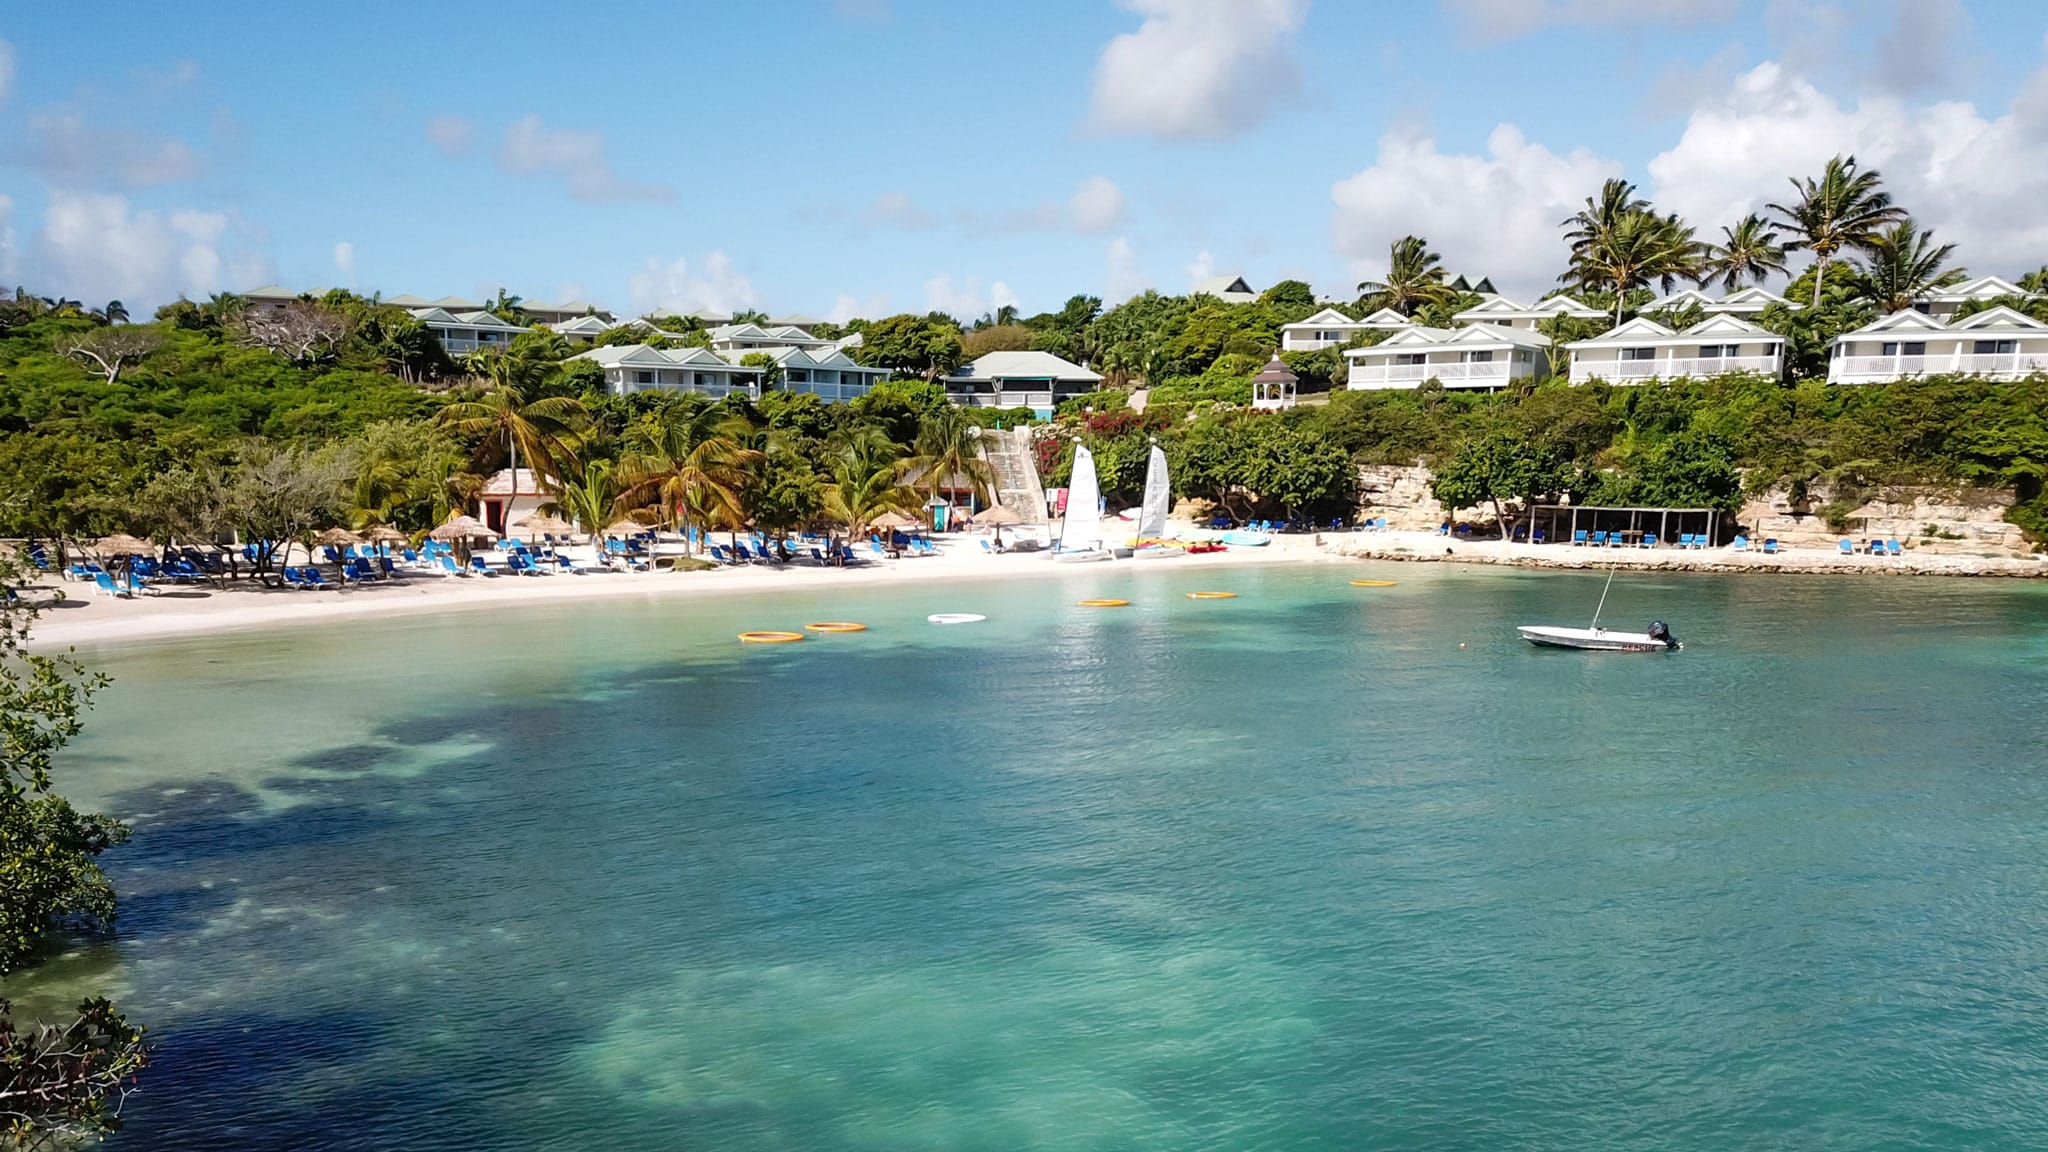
(1273, 387)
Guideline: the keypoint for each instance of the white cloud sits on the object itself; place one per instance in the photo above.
(1198, 69)
(1979, 180)
(1494, 215)
(345, 263)
(1201, 267)
(1492, 21)
(1123, 279)
(6, 70)
(451, 134)
(716, 286)
(67, 151)
(1097, 205)
(845, 307)
(94, 246)
(966, 300)
(578, 157)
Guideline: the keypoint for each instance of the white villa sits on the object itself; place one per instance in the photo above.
(465, 332)
(1229, 289)
(1505, 313)
(1331, 328)
(1943, 303)
(1744, 302)
(1997, 342)
(1035, 380)
(632, 368)
(1479, 356)
(742, 338)
(1643, 350)
(825, 372)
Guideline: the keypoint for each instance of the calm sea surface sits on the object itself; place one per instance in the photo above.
(1320, 867)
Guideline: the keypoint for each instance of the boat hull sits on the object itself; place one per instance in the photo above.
(1084, 556)
(1247, 539)
(1160, 552)
(1592, 639)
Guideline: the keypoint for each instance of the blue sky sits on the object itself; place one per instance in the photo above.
(859, 156)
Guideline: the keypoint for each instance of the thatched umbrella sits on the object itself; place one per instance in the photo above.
(995, 517)
(539, 525)
(894, 520)
(121, 546)
(460, 530)
(337, 538)
(386, 534)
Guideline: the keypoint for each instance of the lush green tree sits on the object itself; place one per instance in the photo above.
(919, 346)
(690, 464)
(1750, 251)
(1494, 468)
(864, 480)
(1291, 467)
(590, 500)
(1620, 244)
(900, 407)
(1415, 277)
(276, 497)
(1902, 264)
(60, 1083)
(409, 475)
(785, 493)
(111, 349)
(998, 338)
(948, 449)
(545, 429)
(1843, 209)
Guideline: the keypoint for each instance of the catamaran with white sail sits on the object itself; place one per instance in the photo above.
(1151, 542)
(1080, 539)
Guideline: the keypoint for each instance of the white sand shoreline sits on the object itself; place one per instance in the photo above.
(90, 619)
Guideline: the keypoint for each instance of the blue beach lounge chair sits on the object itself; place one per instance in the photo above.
(1742, 543)
(1770, 546)
(1891, 548)
(1846, 548)
(1578, 538)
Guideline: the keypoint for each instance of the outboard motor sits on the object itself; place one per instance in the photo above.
(1659, 632)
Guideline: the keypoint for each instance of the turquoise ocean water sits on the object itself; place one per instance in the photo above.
(1320, 867)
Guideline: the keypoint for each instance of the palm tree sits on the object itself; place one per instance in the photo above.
(692, 463)
(865, 473)
(1901, 264)
(1843, 209)
(546, 429)
(1749, 251)
(1415, 277)
(589, 501)
(1632, 251)
(948, 445)
(1598, 221)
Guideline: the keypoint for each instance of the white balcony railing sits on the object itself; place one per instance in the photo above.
(1485, 374)
(1674, 368)
(1001, 399)
(1875, 369)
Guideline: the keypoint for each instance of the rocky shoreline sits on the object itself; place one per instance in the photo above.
(1426, 548)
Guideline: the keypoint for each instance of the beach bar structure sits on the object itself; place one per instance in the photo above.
(1562, 523)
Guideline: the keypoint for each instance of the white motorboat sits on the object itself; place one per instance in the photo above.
(1158, 552)
(1081, 528)
(1594, 638)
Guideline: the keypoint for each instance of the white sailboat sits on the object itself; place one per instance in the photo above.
(1081, 528)
(1152, 513)
(1598, 639)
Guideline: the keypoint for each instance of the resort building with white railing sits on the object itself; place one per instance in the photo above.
(1944, 303)
(1034, 380)
(1642, 350)
(1330, 328)
(1477, 356)
(826, 373)
(1997, 343)
(630, 368)
(461, 333)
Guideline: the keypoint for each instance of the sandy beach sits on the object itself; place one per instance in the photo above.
(85, 617)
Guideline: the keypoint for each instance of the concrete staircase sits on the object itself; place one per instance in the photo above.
(1008, 452)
